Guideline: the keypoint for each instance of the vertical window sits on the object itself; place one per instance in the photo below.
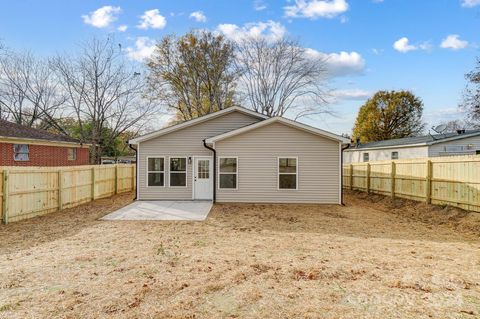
(21, 152)
(72, 154)
(366, 157)
(156, 171)
(394, 155)
(287, 173)
(203, 169)
(228, 172)
(178, 171)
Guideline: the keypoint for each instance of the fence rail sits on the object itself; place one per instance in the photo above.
(451, 181)
(26, 192)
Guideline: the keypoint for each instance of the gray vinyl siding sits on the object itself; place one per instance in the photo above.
(183, 143)
(258, 151)
(441, 149)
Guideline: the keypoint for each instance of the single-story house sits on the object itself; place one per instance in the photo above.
(461, 142)
(25, 146)
(238, 155)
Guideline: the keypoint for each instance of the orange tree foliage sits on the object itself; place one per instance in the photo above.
(388, 115)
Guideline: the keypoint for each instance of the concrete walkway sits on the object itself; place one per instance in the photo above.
(162, 210)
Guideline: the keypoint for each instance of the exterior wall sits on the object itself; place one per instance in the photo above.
(43, 155)
(445, 148)
(318, 166)
(187, 142)
(356, 156)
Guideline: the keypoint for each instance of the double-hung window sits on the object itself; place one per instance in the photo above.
(287, 172)
(228, 172)
(156, 171)
(21, 152)
(178, 171)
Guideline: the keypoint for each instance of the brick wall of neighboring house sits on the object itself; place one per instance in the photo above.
(43, 155)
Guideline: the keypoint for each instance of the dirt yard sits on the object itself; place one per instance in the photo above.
(372, 258)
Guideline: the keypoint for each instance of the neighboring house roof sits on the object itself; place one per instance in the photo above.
(282, 120)
(197, 120)
(416, 140)
(9, 130)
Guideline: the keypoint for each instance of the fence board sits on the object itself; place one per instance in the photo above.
(451, 181)
(35, 191)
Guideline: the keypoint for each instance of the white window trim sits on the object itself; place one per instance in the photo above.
(19, 160)
(363, 157)
(296, 174)
(74, 152)
(391, 155)
(176, 172)
(229, 173)
(164, 171)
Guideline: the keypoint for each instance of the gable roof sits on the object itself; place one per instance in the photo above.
(277, 119)
(424, 140)
(14, 130)
(195, 121)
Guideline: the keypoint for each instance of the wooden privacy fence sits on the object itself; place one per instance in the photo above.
(27, 192)
(451, 181)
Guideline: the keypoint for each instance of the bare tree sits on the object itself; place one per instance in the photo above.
(29, 90)
(471, 99)
(105, 94)
(193, 75)
(279, 76)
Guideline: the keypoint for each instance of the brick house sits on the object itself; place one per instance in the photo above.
(26, 146)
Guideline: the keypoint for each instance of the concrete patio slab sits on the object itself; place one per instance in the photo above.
(162, 210)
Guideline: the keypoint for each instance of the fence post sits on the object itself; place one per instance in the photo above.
(60, 189)
(368, 178)
(351, 176)
(393, 172)
(116, 179)
(93, 182)
(5, 197)
(428, 184)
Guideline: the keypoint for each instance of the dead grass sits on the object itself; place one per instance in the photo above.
(373, 258)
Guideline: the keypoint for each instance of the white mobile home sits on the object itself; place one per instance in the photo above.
(449, 144)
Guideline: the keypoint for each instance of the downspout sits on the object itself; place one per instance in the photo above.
(214, 170)
(136, 166)
(341, 170)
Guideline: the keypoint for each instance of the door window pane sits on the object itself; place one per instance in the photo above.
(203, 169)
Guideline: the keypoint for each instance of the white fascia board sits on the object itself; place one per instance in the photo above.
(196, 121)
(285, 121)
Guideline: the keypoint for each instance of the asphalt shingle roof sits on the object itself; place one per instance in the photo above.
(425, 139)
(9, 129)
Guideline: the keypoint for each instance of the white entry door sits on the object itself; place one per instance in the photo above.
(203, 178)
